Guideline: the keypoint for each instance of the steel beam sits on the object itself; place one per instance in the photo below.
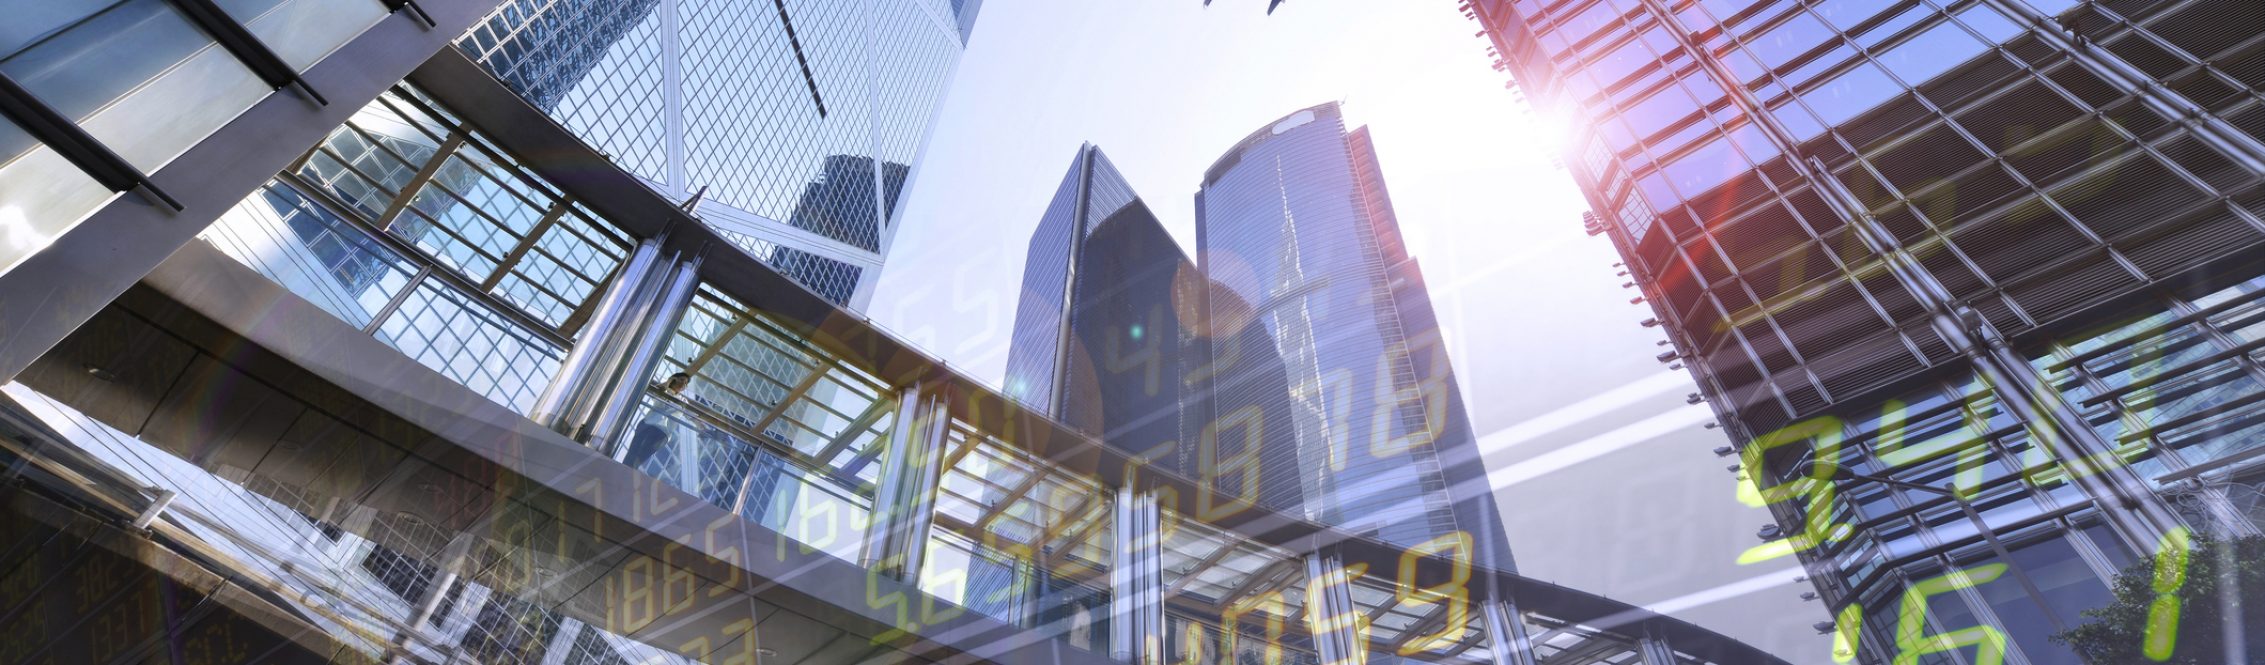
(1506, 633)
(1339, 628)
(1654, 649)
(568, 388)
(1136, 576)
(904, 501)
(620, 394)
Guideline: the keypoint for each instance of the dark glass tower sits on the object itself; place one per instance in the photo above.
(1113, 336)
(764, 106)
(2008, 247)
(1037, 358)
(1296, 224)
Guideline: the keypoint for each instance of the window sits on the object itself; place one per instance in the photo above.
(1588, 22)
(1621, 62)
(1847, 14)
(1657, 112)
(1932, 52)
(2063, 579)
(1851, 93)
(1702, 169)
(1993, 25)
(1657, 193)
(1797, 35)
(2052, 7)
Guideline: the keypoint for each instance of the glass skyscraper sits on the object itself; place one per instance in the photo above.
(1113, 336)
(2005, 247)
(1296, 225)
(1036, 360)
(795, 124)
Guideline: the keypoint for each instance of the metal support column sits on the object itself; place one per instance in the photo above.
(904, 501)
(1506, 636)
(1339, 627)
(1653, 649)
(570, 388)
(1136, 580)
(620, 397)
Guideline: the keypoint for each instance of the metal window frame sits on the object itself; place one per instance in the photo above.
(428, 268)
(50, 128)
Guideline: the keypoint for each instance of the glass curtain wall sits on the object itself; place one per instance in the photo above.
(2073, 173)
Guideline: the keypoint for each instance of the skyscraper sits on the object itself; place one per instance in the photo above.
(2005, 248)
(1113, 336)
(1037, 358)
(1296, 223)
(759, 108)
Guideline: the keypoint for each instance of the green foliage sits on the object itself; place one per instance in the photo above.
(2117, 633)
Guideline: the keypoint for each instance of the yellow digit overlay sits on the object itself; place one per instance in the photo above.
(1270, 606)
(1354, 620)
(2171, 558)
(1244, 462)
(1191, 643)
(1454, 594)
(1429, 395)
(1844, 640)
(901, 623)
(1894, 451)
(1911, 637)
(1825, 432)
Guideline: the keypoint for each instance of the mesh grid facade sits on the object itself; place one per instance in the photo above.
(800, 119)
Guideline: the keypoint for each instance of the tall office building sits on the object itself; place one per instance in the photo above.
(2008, 247)
(1037, 357)
(1296, 224)
(761, 109)
(544, 48)
(1113, 337)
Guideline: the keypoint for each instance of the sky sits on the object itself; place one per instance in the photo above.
(1604, 474)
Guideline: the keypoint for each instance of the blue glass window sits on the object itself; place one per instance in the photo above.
(1656, 192)
(1588, 22)
(1797, 122)
(1790, 39)
(1993, 25)
(1621, 62)
(1850, 94)
(2052, 7)
(1891, 27)
(1932, 52)
(1847, 14)
(1706, 167)
(1663, 108)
